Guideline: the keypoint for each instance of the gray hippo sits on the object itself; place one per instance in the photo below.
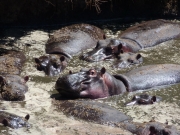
(51, 64)
(13, 87)
(135, 38)
(68, 42)
(13, 121)
(11, 61)
(97, 83)
(73, 39)
(143, 99)
(100, 113)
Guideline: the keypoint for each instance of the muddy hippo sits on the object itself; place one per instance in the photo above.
(97, 83)
(11, 61)
(143, 99)
(51, 64)
(135, 38)
(13, 87)
(13, 121)
(74, 39)
(100, 113)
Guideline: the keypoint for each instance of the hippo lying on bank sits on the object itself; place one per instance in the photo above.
(135, 38)
(13, 121)
(143, 99)
(68, 41)
(96, 83)
(11, 61)
(103, 114)
(13, 87)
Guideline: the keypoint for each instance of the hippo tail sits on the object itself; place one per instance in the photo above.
(126, 81)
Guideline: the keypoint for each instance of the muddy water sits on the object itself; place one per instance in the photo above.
(44, 120)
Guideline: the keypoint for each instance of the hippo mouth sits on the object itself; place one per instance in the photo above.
(72, 89)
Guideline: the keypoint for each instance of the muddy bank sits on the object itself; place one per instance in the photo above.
(65, 11)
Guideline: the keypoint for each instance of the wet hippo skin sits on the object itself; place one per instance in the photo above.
(100, 113)
(13, 87)
(51, 64)
(97, 83)
(13, 121)
(143, 99)
(135, 38)
(74, 39)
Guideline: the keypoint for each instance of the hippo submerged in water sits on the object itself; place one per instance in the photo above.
(95, 83)
(100, 113)
(68, 41)
(13, 87)
(143, 99)
(133, 39)
(13, 121)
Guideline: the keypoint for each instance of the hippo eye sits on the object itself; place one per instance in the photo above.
(92, 72)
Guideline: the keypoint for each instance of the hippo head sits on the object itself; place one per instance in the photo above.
(52, 64)
(17, 122)
(144, 99)
(127, 59)
(13, 87)
(105, 49)
(92, 83)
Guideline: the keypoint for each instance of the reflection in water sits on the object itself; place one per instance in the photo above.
(45, 120)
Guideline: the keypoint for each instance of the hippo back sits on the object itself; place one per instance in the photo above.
(73, 39)
(151, 33)
(150, 76)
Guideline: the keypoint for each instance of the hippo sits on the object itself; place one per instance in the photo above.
(135, 38)
(97, 83)
(143, 99)
(11, 61)
(74, 39)
(100, 113)
(51, 64)
(13, 87)
(14, 121)
(67, 42)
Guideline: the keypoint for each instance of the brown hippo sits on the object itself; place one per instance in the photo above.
(11, 61)
(13, 87)
(97, 83)
(13, 121)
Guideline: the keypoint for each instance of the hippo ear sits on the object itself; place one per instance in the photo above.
(153, 98)
(62, 58)
(27, 117)
(104, 36)
(138, 56)
(26, 78)
(70, 72)
(5, 122)
(37, 60)
(55, 65)
(103, 70)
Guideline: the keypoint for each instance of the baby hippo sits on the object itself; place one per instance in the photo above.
(13, 87)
